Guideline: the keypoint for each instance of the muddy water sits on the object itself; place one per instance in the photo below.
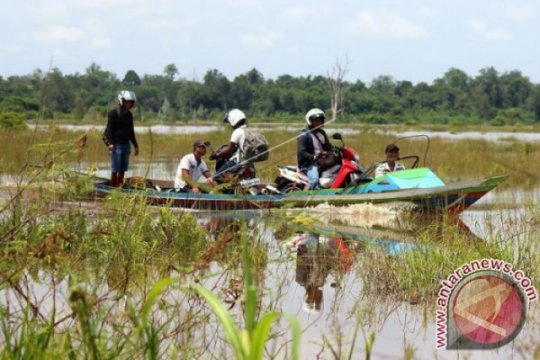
(325, 292)
(313, 276)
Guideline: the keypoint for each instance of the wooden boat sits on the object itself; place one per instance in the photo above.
(419, 187)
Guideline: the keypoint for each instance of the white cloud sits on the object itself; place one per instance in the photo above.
(47, 10)
(519, 12)
(11, 49)
(101, 43)
(92, 32)
(300, 14)
(58, 34)
(262, 41)
(246, 4)
(100, 4)
(379, 24)
(166, 24)
(484, 31)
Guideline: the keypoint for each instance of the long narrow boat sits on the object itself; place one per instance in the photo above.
(419, 187)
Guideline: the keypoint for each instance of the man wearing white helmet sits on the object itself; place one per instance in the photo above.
(311, 142)
(238, 121)
(118, 134)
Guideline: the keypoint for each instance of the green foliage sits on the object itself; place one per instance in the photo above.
(384, 101)
(12, 120)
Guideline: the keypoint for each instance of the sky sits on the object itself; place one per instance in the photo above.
(413, 40)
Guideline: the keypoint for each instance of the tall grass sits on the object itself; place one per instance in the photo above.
(93, 278)
(249, 343)
(445, 157)
(414, 276)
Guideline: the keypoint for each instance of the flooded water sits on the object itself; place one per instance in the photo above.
(205, 128)
(320, 284)
(314, 275)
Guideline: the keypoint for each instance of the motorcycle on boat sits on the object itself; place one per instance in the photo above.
(239, 177)
(338, 168)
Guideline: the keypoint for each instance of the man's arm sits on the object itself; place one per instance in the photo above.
(227, 151)
(111, 115)
(303, 154)
(209, 177)
(132, 137)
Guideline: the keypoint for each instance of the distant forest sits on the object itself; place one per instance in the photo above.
(490, 97)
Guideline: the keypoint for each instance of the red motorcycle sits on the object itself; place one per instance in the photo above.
(338, 168)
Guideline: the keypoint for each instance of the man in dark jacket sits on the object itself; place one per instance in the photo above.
(119, 133)
(312, 141)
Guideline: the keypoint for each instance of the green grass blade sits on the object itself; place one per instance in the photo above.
(260, 335)
(296, 331)
(334, 353)
(355, 336)
(251, 292)
(153, 295)
(225, 318)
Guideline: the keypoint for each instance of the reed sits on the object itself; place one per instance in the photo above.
(415, 275)
(107, 266)
(249, 343)
(445, 157)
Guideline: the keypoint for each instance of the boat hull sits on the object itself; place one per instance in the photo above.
(452, 198)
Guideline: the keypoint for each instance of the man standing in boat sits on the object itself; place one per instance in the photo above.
(118, 134)
(311, 142)
(390, 165)
(191, 168)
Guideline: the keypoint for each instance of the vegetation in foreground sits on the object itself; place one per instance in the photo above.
(91, 279)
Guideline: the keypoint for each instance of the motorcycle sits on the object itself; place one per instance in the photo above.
(338, 168)
(239, 178)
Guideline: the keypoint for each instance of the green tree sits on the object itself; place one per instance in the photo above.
(515, 89)
(170, 71)
(131, 79)
(57, 95)
(217, 87)
(100, 86)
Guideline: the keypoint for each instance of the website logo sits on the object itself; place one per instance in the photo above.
(482, 305)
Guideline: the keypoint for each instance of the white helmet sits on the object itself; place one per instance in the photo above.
(126, 95)
(313, 114)
(234, 116)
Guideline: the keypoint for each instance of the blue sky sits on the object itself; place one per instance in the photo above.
(408, 40)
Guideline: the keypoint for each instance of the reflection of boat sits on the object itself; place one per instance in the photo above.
(419, 187)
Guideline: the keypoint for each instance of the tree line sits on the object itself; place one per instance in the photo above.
(454, 98)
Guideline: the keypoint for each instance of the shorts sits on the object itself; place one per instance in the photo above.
(120, 157)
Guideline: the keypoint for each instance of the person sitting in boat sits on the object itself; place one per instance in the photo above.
(233, 150)
(191, 168)
(390, 165)
(311, 142)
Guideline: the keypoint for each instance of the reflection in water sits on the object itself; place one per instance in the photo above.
(316, 256)
(319, 278)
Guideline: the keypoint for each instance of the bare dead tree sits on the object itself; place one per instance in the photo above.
(334, 79)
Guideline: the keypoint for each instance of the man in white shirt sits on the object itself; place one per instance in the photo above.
(232, 153)
(390, 165)
(191, 168)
